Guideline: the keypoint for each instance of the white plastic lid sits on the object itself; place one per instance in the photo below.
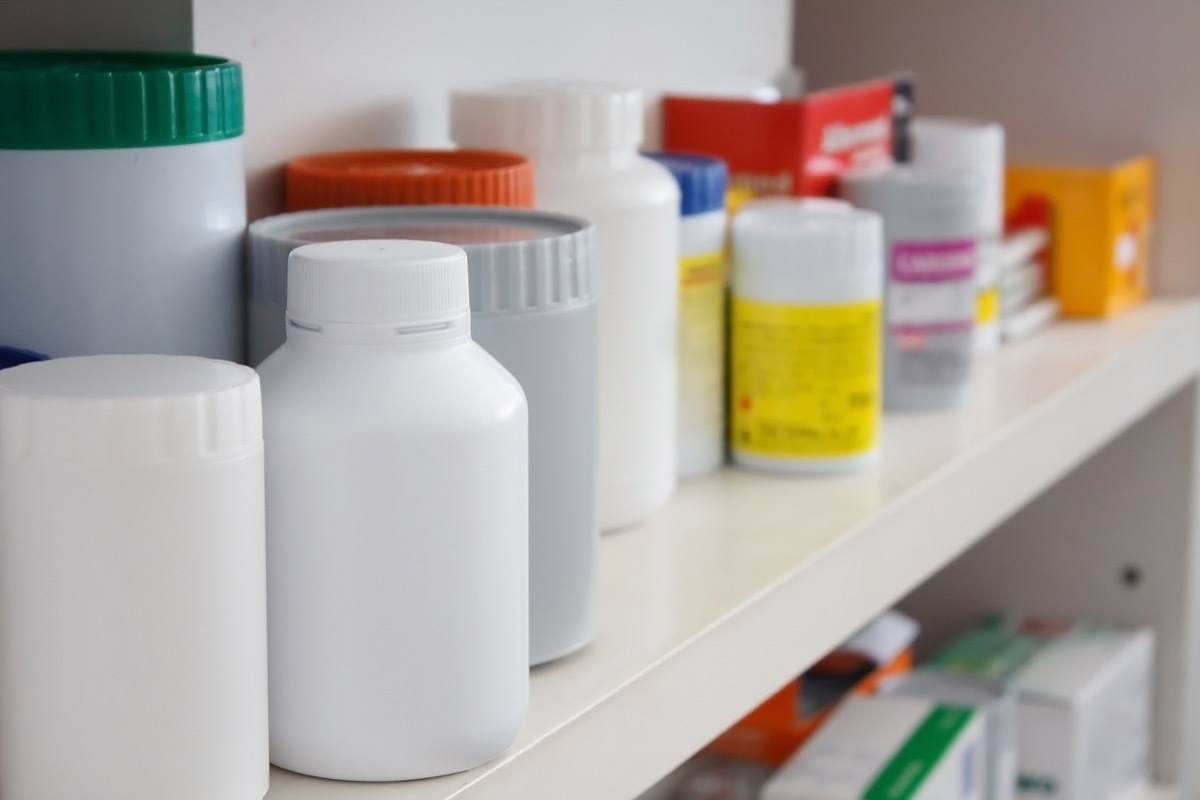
(797, 253)
(128, 410)
(966, 144)
(550, 116)
(377, 282)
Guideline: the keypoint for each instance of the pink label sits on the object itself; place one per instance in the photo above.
(934, 262)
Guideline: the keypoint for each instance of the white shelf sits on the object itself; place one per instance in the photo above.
(746, 578)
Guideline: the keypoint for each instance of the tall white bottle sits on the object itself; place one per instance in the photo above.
(397, 521)
(583, 140)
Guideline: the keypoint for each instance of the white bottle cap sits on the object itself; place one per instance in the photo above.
(377, 282)
(550, 116)
(971, 145)
(128, 409)
(797, 253)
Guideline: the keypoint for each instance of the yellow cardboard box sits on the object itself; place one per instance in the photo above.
(1100, 221)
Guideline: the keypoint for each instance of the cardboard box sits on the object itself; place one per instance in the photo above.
(1100, 223)
(795, 146)
(1084, 701)
(771, 733)
(888, 747)
(998, 705)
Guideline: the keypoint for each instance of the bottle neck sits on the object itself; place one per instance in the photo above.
(585, 159)
(444, 332)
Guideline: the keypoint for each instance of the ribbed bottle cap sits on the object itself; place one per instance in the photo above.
(407, 177)
(128, 410)
(519, 261)
(377, 282)
(787, 251)
(702, 180)
(551, 116)
(966, 144)
(84, 100)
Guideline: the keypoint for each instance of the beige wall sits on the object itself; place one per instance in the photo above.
(1070, 79)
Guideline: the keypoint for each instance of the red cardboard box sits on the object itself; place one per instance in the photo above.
(790, 147)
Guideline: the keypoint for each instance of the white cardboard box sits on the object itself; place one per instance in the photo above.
(888, 748)
(1084, 702)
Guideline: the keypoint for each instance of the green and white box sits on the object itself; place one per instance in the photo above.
(1084, 698)
(888, 748)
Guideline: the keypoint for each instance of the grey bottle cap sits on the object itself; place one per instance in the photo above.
(519, 261)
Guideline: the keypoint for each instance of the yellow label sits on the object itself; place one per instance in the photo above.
(701, 344)
(989, 305)
(806, 379)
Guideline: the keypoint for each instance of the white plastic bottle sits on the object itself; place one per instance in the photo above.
(583, 141)
(133, 618)
(397, 520)
(977, 146)
(806, 337)
(702, 282)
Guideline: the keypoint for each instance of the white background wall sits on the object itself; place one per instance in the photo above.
(361, 73)
(1068, 78)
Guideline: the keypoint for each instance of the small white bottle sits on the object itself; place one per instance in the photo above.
(702, 283)
(583, 141)
(977, 146)
(805, 364)
(397, 520)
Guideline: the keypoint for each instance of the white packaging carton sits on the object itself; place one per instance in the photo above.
(1084, 702)
(997, 703)
(888, 748)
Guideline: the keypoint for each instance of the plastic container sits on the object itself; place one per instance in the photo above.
(701, 432)
(408, 177)
(979, 147)
(806, 337)
(397, 525)
(123, 204)
(583, 141)
(133, 642)
(533, 308)
(930, 221)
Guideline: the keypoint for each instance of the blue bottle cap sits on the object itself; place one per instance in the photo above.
(14, 357)
(702, 180)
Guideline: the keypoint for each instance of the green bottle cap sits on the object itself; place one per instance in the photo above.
(87, 100)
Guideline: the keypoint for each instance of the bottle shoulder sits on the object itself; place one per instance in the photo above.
(636, 182)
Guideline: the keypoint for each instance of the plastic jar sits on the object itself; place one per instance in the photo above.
(930, 220)
(978, 147)
(701, 415)
(397, 524)
(133, 642)
(409, 177)
(532, 308)
(123, 204)
(583, 141)
(805, 345)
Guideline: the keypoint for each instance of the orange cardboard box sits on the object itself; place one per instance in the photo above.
(1100, 223)
(771, 733)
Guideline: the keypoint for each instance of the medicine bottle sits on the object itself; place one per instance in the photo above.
(583, 141)
(409, 177)
(397, 520)
(133, 642)
(533, 308)
(702, 283)
(977, 146)
(930, 223)
(123, 203)
(805, 382)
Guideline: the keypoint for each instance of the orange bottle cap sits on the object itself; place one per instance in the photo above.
(409, 177)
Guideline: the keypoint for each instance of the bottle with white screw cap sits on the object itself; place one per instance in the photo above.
(583, 140)
(133, 615)
(397, 520)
